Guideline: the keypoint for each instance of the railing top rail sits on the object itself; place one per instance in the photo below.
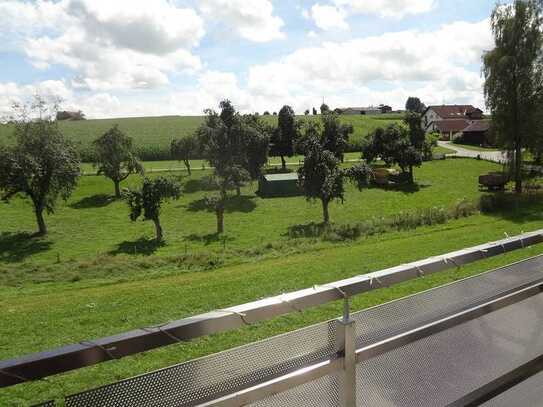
(86, 353)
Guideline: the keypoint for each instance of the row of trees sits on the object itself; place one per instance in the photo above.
(44, 166)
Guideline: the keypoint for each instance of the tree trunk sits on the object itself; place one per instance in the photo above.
(117, 188)
(283, 163)
(411, 176)
(238, 190)
(219, 210)
(518, 168)
(187, 164)
(42, 228)
(158, 229)
(325, 214)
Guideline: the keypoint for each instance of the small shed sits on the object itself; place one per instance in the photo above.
(279, 185)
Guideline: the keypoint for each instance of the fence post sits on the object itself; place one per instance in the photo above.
(347, 345)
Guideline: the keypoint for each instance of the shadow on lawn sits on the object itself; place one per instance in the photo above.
(407, 188)
(95, 201)
(144, 246)
(210, 238)
(15, 247)
(205, 183)
(509, 206)
(241, 203)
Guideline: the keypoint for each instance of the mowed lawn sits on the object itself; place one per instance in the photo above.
(158, 132)
(43, 316)
(92, 224)
(49, 300)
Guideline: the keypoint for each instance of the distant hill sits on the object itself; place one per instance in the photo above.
(152, 135)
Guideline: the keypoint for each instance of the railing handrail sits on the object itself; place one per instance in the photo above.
(87, 353)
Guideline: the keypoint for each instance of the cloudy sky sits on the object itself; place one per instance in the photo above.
(116, 58)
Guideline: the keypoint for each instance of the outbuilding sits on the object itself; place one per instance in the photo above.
(271, 185)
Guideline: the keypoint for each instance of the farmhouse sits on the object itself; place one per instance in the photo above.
(455, 122)
(370, 110)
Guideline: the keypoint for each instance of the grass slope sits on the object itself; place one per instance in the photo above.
(156, 133)
(50, 315)
(77, 228)
(107, 280)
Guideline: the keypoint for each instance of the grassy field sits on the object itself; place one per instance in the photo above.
(154, 134)
(98, 274)
(77, 229)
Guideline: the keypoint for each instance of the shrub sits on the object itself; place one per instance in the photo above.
(399, 222)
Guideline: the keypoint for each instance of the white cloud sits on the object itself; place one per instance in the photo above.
(252, 20)
(386, 8)
(409, 62)
(119, 44)
(328, 17)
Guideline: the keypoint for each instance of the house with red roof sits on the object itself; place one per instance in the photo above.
(456, 122)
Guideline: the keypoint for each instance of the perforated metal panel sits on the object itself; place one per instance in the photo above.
(50, 403)
(529, 393)
(408, 376)
(442, 368)
(323, 392)
(208, 378)
(389, 319)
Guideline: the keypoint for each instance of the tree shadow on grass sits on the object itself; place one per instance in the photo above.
(516, 209)
(15, 247)
(205, 183)
(307, 230)
(243, 203)
(209, 238)
(406, 188)
(94, 201)
(143, 246)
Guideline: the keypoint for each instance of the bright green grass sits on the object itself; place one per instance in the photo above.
(91, 224)
(172, 165)
(44, 316)
(150, 132)
(443, 150)
(110, 295)
(474, 148)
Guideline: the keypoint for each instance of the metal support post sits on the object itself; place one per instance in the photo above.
(347, 338)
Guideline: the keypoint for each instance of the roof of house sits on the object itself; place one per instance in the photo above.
(361, 109)
(453, 111)
(452, 125)
(478, 126)
(290, 176)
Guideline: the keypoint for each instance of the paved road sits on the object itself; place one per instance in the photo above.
(494, 156)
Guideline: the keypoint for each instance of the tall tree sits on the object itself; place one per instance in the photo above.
(284, 136)
(185, 149)
(335, 136)
(115, 157)
(394, 146)
(417, 141)
(513, 73)
(147, 201)
(221, 138)
(42, 165)
(413, 104)
(325, 108)
(256, 135)
(321, 176)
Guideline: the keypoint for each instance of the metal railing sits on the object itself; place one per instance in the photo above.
(341, 360)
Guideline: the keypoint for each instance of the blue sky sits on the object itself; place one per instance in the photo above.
(159, 57)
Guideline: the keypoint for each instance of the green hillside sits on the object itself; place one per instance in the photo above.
(153, 135)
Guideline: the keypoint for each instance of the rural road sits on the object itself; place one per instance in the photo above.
(494, 156)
